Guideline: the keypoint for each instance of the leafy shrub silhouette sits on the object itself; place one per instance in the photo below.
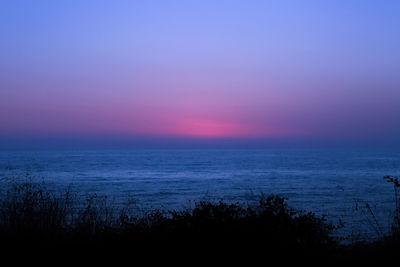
(32, 216)
(32, 213)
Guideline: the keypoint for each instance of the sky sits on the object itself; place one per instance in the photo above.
(215, 71)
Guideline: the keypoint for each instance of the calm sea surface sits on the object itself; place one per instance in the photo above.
(337, 183)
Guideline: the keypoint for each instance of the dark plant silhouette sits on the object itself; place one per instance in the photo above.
(396, 217)
(33, 216)
(32, 213)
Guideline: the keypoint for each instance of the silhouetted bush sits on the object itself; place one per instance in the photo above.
(396, 217)
(34, 217)
(32, 214)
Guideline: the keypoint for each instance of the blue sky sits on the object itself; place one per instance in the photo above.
(178, 70)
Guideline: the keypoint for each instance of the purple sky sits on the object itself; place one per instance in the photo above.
(246, 70)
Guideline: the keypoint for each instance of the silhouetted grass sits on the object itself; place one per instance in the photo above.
(35, 218)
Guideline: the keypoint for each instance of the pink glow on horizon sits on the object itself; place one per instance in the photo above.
(210, 69)
(208, 128)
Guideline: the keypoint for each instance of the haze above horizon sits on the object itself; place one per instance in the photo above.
(199, 72)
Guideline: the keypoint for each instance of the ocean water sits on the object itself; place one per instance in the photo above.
(337, 183)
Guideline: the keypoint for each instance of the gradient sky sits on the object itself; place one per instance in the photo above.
(248, 70)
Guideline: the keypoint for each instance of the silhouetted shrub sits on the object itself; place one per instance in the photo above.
(35, 217)
(396, 217)
(32, 214)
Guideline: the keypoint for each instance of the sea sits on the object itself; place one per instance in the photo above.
(346, 186)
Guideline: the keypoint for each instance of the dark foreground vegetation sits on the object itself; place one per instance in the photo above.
(36, 220)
